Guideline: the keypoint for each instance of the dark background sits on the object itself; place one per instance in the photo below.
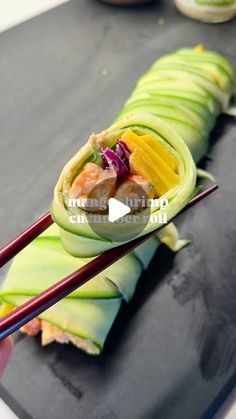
(172, 350)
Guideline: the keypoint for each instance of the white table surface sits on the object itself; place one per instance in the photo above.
(6, 412)
(13, 12)
(228, 410)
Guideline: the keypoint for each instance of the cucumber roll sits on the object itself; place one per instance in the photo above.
(153, 145)
(156, 159)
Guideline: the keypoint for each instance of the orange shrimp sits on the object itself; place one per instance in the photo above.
(94, 182)
(86, 180)
(132, 186)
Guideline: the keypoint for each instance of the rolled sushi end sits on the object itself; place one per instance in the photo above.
(52, 333)
(137, 150)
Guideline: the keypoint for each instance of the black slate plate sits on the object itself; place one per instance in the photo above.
(172, 350)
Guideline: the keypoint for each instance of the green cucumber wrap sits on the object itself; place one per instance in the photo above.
(177, 102)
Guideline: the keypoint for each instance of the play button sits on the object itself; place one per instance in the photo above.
(117, 210)
(120, 217)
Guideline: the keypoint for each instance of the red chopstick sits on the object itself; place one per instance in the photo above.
(16, 245)
(35, 306)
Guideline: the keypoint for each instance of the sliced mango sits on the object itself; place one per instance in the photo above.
(5, 309)
(146, 161)
(140, 165)
(129, 135)
(161, 151)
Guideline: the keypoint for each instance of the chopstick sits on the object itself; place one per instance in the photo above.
(16, 245)
(35, 306)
